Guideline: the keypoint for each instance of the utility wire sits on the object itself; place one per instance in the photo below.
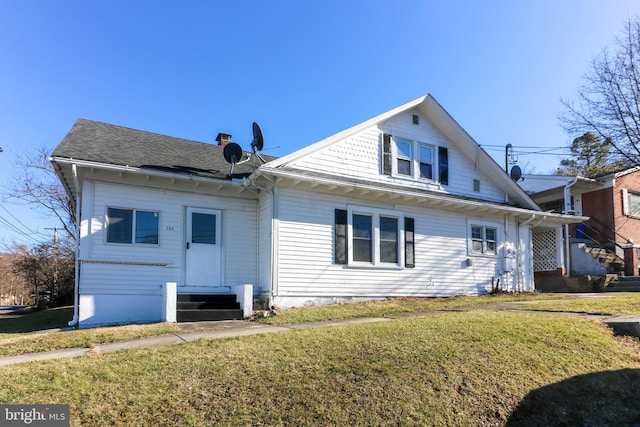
(11, 226)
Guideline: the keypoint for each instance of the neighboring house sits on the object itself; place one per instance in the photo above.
(612, 203)
(404, 204)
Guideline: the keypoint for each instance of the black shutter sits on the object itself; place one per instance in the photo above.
(386, 154)
(341, 236)
(443, 165)
(409, 247)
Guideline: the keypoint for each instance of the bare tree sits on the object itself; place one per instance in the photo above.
(608, 102)
(48, 270)
(38, 185)
(13, 287)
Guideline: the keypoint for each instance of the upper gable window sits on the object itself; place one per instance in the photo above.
(414, 159)
(404, 156)
(408, 158)
(426, 161)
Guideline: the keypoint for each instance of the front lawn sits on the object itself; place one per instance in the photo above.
(454, 368)
(396, 306)
(610, 304)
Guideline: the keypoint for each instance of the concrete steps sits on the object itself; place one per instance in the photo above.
(624, 284)
(606, 258)
(212, 307)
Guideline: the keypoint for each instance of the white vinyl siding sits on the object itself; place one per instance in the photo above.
(360, 157)
(130, 268)
(307, 272)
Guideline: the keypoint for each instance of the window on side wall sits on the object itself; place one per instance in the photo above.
(372, 237)
(132, 226)
(483, 240)
(631, 203)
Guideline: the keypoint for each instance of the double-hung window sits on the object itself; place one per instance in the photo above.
(483, 240)
(630, 203)
(414, 159)
(373, 237)
(132, 226)
(404, 157)
(426, 161)
(362, 232)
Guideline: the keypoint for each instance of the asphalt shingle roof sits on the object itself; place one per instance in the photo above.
(100, 142)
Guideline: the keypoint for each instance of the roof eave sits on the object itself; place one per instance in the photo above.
(141, 171)
(409, 194)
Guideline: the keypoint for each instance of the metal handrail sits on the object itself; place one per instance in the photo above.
(609, 229)
(600, 233)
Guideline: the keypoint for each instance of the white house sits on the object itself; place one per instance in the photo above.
(404, 204)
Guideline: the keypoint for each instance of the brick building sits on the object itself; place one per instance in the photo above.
(612, 203)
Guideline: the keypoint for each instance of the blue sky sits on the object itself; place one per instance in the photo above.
(302, 69)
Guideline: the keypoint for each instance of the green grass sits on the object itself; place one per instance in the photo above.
(53, 318)
(618, 305)
(464, 368)
(16, 344)
(393, 307)
(21, 335)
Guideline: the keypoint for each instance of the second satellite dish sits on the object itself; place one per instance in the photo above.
(516, 173)
(258, 139)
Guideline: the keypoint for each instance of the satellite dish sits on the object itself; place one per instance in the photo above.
(258, 140)
(516, 173)
(232, 153)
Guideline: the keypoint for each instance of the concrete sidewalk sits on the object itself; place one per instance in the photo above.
(188, 332)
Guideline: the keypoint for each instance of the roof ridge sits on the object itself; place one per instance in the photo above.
(141, 131)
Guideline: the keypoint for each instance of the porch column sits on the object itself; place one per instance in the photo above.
(631, 260)
(170, 302)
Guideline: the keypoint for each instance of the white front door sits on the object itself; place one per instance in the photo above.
(204, 249)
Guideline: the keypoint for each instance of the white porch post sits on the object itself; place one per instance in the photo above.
(170, 302)
(244, 295)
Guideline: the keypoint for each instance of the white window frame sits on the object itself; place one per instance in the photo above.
(375, 215)
(483, 225)
(626, 202)
(415, 160)
(133, 226)
(397, 157)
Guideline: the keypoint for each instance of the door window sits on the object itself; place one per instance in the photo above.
(203, 228)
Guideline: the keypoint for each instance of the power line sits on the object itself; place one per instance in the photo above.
(542, 152)
(11, 226)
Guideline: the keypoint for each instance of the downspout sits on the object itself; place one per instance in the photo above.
(567, 207)
(76, 288)
(250, 183)
(275, 245)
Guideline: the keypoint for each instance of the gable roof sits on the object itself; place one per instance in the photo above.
(108, 144)
(446, 124)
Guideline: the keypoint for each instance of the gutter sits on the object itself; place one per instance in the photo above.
(142, 171)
